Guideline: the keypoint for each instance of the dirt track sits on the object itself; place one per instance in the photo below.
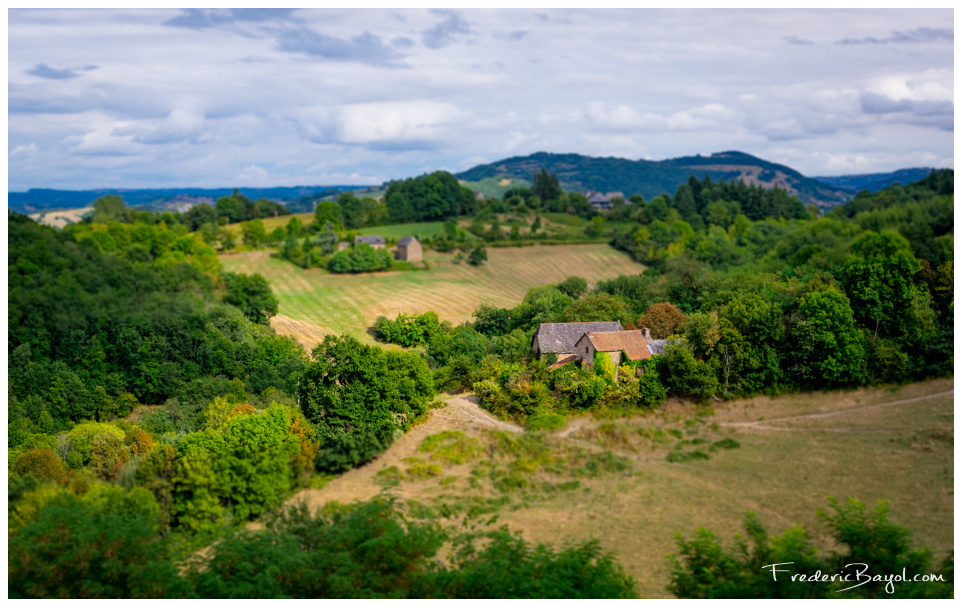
(765, 424)
(462, 413)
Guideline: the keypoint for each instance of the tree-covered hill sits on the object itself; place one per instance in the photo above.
(651, 178)
(38, 199)
(874, 182)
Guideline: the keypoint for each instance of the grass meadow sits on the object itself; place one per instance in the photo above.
(313, 302)
(616, 479)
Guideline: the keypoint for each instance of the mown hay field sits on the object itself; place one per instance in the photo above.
(313, 302)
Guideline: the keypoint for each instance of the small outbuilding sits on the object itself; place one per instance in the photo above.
(343, 245)
(408, 249)
(376, 242)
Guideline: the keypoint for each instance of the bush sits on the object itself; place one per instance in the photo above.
(651, 392)
(361, 258)
(408, 331)
(580, 387)
(478, 256)
(704, 569)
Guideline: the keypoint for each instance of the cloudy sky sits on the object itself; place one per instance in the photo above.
(225, 98)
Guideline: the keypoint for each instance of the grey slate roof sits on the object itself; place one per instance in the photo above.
(562, 336)
(369, 239)
(657, 346)
(406, 241)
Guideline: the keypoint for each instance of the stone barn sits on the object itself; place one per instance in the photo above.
(408, 249)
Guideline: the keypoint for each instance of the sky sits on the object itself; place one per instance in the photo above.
(153, 98)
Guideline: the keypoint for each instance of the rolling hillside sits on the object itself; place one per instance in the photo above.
(875, 182)
(39, 199)
(651, 178)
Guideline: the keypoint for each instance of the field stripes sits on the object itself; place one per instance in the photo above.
(313, 301)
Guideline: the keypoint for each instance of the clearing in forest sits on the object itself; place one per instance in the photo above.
(313, 302)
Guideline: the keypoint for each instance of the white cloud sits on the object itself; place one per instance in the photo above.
(177, 98)
(411, 122)
(24, 150)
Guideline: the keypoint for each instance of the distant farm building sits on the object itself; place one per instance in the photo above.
(343, 245)
(478, 195)
(408, 249)
(603, 202)
(376, 242)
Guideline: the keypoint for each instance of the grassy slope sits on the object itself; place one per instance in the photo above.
(351, 303)
(902, 453)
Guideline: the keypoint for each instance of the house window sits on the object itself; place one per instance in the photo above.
(586, 350)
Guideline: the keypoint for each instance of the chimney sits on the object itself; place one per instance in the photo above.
(646, 333)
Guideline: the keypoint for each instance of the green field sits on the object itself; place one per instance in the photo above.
(313, 302)
(397, 232)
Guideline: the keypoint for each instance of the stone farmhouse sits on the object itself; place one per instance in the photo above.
(562, 337)
(376, 242)
(603, 202)
(583, 341)
(408, 249)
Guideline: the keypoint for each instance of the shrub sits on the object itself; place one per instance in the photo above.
(360, 258)
(605, 367)
(580, 387)
(478, 256)
(705, 569)
(545, 420)
(408, 331)
(651, 392)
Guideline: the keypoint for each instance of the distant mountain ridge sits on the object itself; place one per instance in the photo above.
(875, 182)
(653, 177)
(39, 199)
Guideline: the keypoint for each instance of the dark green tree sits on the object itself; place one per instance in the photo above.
(252, 294)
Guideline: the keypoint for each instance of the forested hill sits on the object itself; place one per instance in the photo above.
(875, 182)
(38, 199)
(651, 178)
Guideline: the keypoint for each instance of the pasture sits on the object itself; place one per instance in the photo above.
(313, 302)
(60, 219)
(612, 480)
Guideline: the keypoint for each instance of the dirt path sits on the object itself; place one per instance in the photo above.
(461, 413)
(764, 424)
